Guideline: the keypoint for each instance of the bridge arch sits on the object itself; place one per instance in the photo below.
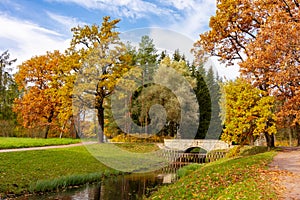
(195, 149)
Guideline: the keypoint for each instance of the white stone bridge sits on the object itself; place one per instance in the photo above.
(185, 145)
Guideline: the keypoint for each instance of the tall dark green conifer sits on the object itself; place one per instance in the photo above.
(176, 55)
(8, 87)
(204, 101)
(213, 83)
(147, 57)
(162, 55)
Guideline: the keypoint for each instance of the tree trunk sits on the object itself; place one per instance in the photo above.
(100, 114)
(47, 131)
(297, 129)
(97, 192)
(251, 140)
(290, 136)
(49, 122)
(270, 140)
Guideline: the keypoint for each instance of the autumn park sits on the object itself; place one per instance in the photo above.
(109, 118)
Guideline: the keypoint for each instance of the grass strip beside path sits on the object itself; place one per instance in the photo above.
(14, 142)
(238, 178)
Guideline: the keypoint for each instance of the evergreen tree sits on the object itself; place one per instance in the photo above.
(176, 55)
(162, 55)
(213, 84)
(8, 87)
(147, 57)
(204, 101)
(147, 60)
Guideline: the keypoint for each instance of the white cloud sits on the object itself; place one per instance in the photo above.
(195, 17)
(180, 4)
(83, 3)
(25, 39)
(65, 21)
(11, 4)
(190, 17)
(124, 8)
(170, 40)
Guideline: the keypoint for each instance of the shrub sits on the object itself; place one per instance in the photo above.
(137, 138)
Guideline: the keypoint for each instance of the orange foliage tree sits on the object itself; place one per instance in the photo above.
(87, 73)
(40, 104)
(262, 36)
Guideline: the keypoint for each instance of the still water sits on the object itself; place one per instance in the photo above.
(123, 187)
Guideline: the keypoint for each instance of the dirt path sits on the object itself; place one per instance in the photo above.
(46, 147)
(288, 160)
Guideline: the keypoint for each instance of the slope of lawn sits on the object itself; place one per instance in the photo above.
(243, 177)
(45, 170)
(14, 142)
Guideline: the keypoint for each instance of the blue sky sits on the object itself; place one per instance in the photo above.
(32, 27)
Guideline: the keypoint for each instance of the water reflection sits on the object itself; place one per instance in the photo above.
(125, 187)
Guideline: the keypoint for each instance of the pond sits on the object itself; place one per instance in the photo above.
(123, 187)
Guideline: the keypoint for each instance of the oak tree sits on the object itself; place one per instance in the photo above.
(262, 37)
(103, 61)
(39, 104)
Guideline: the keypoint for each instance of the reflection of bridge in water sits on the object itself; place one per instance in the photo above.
(179, 150)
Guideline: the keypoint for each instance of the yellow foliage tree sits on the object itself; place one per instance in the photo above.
(247, 112)
(103, 61)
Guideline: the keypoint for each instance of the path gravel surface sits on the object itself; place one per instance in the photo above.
(288, 161)
(46, 147)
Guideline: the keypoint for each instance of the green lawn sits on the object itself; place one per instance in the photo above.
(20, 171)
(238, 178)
(142, 157)
(138, 147)
(14, 142)
(44, 170)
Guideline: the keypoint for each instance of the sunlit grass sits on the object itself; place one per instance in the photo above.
(138, 147)
(14, 142)
(123, 159)
(235, 178)
(45, 170)
(21, 170)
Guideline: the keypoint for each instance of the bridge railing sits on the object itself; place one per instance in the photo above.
(215, 155)
(173, 156)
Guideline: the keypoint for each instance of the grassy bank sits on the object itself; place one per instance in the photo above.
(14, 142)
(143, 159)
(241, 177)
(46, 170)
(54, 168)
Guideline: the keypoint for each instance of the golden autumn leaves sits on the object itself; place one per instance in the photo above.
(247, 112)
(262, 36)
(48, 80)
